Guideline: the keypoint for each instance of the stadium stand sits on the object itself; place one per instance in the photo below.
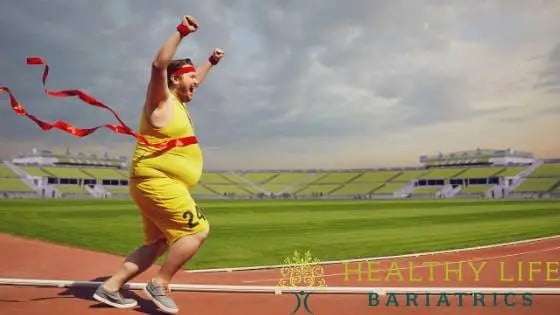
(547, 170)
(124, 173)
(103, 173)
(477, 173)
(478, 157)
(425, 191)
(118, 190)
(6, 172)
(289, 182)
(276, 188)
(388, 188)
(230, 190)
(214, 178)
(475, 190)
(373, 183)
(337, 178)
(14, 185)
(66, 172)
(67, 190)
(511, 171)
(353, 189)
(407, 176)
(537, 185)
(201, 190)
(259, 177)
(316, 190)
(235, 179)
(543, 180)
(290, 178)
(443, 173)
(35, 171)
(225, 184)
(480, 172)
(376, 177)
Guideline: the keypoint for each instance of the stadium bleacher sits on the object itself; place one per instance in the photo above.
(388, 188)
(70, 189)
(290, 178)
(259, 177)
(316, 190)
(89, 176)
(355, 189)
(66, 172)
(537, 185)
(547, 170)
(229, 189)
(14, 185)
(6, 172)
(103, 173)
(407, 176)
(337, 178)
(544, 179)
(203, 190)
(280, 188)
(480, 172)
(233, 178)
(476, 189)
(426, 190)
(118, 190)
(376, 177)
(443, 173)
(511, 171)
(214, 178)
(35, 171)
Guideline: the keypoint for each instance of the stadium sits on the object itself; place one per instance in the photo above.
(495, 208)
(479, 173)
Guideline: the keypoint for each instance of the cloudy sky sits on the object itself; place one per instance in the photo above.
(316, 83)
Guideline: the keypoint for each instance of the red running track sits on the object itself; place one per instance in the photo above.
(501, 266)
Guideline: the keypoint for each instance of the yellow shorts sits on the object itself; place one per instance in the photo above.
(168, 210)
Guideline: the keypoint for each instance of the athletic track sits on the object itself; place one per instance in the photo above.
(23, 258)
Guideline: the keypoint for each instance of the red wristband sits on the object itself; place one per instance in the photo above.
(183, 30)
(213, 60)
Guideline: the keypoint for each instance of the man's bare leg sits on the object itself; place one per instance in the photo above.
(136, 263)
(179, 253)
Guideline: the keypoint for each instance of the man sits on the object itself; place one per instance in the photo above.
(160, 179)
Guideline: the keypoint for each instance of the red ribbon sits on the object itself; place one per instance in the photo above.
(121, 128)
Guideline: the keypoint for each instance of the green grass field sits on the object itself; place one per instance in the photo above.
(245, 233)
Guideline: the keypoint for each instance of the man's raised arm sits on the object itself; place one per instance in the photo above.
(204, 68)
(158, 92)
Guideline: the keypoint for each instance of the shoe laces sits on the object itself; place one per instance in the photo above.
(162, 288)
(165, 289)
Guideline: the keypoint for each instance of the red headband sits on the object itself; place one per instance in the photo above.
(184, 69)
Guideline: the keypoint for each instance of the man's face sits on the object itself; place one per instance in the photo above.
(186, 85)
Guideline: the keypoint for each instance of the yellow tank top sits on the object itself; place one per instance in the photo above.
(181, 163)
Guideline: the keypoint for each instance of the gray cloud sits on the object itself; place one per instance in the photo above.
(549, 78)
(305, 71)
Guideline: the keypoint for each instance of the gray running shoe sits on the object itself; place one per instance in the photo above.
(114, 299)
(159, 294)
